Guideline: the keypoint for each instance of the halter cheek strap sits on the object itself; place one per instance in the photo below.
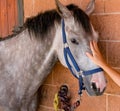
(68, 56)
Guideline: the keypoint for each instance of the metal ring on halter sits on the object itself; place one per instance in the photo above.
(80, 73)
(66, 45)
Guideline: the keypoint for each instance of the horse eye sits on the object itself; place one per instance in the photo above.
(74, 41)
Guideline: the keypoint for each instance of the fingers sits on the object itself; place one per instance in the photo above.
(89, 55)
(94, 47)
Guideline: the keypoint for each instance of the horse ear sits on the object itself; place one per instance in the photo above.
(90, 7)
(62, 10)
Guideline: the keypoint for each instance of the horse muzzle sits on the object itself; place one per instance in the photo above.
(95, 84)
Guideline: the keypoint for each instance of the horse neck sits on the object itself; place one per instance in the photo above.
(50, 56)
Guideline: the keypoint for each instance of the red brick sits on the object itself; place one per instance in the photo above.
(113, 103)
(99, 6)
(66, 2)
(112, 6)
(112, 87)
(102, 46)
(28, 8)
(42, 5)
(113, 53)
(107, 26)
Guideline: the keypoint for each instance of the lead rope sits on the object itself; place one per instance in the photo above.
(56, 102)
(62, 100)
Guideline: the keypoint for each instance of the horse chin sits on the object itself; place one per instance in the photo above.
(91, 92)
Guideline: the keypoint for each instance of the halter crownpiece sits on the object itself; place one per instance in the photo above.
(68, 56)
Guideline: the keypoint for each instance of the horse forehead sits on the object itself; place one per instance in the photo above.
(79, 30)
(75, 29)
(76, 25)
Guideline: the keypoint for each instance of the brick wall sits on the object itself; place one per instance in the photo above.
(106, 21)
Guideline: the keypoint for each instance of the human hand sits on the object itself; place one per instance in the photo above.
(96, 55)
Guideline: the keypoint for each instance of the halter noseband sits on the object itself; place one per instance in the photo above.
(68, 54)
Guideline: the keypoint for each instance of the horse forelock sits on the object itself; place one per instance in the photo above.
(43, 23)
(81, 17)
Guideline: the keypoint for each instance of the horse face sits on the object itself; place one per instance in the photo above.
(79, 32)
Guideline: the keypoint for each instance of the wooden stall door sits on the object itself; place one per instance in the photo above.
(10, 11)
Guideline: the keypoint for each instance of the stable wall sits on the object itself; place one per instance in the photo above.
(106, 20)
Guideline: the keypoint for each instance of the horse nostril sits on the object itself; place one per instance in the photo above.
(94, 86)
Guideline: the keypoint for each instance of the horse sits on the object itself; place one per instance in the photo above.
(28, 56)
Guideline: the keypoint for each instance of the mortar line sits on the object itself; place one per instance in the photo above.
(107, 13)
(110, 94)
(46, 107)
(110, 40)
(106, 102)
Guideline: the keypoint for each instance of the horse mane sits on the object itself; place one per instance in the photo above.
(43, 23)
(81, 17)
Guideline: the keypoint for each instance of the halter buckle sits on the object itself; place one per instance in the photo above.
(66, 45)
(80, 73)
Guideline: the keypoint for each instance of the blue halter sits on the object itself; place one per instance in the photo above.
(68, 54)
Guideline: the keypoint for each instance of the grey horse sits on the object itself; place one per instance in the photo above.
(26, 58)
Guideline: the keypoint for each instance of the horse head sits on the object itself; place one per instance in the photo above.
(79, 32)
